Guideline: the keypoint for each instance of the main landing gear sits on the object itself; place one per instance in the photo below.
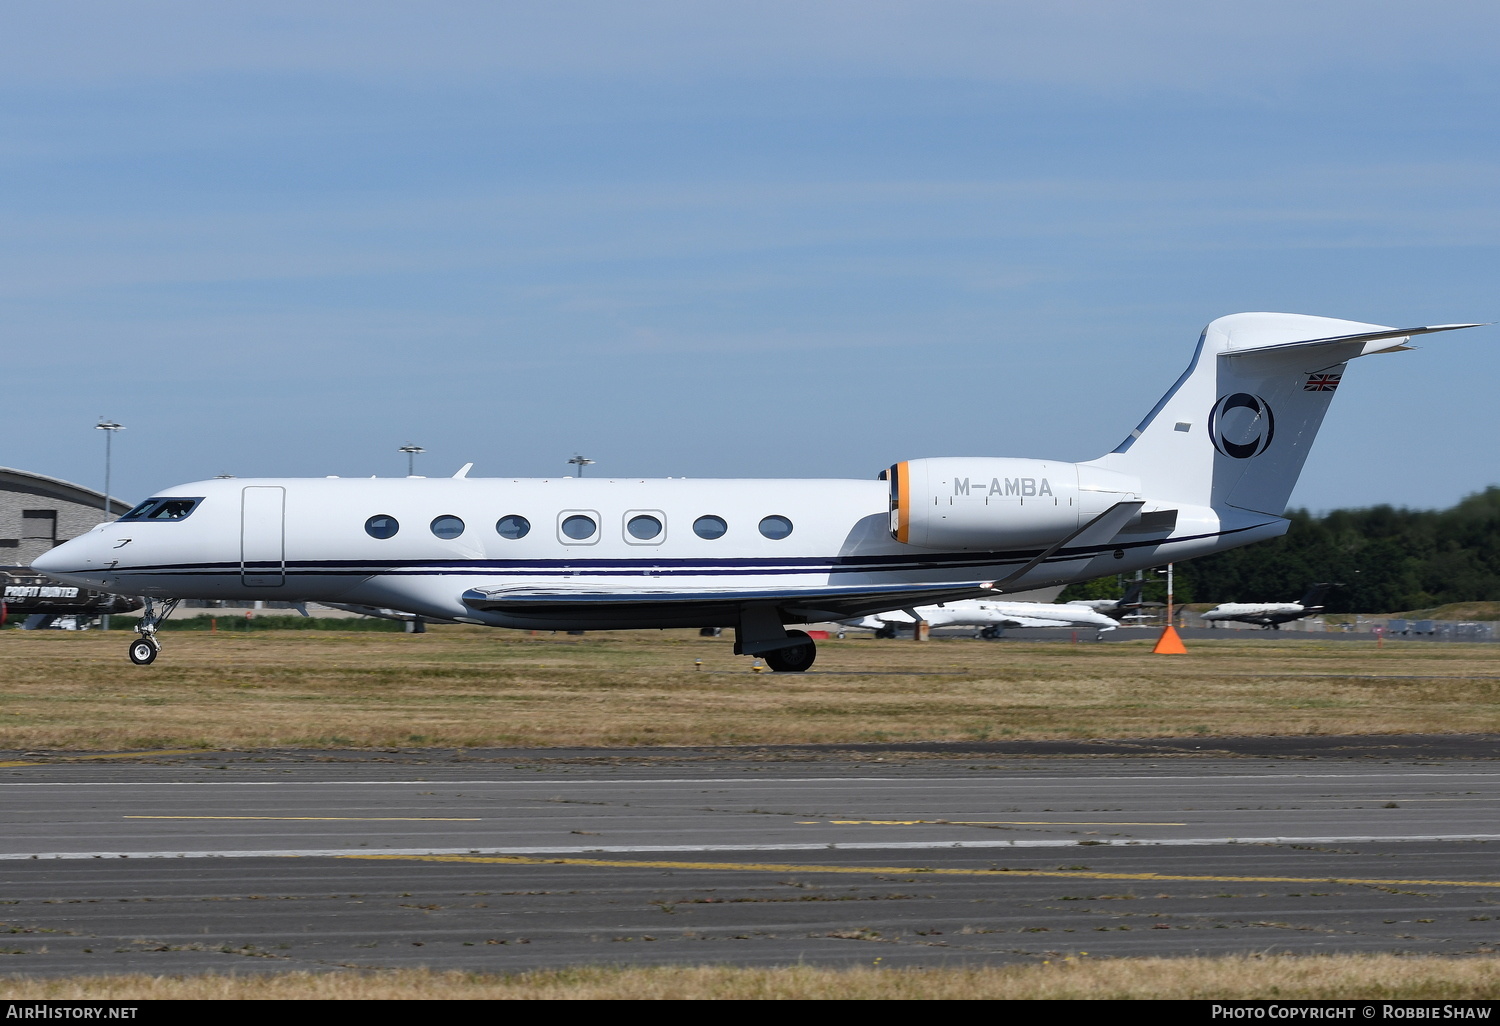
(145, 649)
(794, 659)
(760, 633)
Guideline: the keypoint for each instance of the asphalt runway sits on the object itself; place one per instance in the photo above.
(897, 855)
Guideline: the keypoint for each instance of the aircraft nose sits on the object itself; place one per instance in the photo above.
(49, 561)
(71, 557)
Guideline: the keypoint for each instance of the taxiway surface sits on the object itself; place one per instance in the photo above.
(900, 855)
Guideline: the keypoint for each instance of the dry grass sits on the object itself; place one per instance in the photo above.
(471, 687)
(1236, 977)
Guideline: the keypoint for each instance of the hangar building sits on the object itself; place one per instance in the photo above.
(38, 512)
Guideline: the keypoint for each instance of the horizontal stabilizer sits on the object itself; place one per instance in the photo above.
(1367, 336)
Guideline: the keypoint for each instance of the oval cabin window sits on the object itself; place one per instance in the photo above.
(775, 528)
(382, 526)
(644, 527)
(447, 527)
(710, 527)
(512, 527)
(579, 527)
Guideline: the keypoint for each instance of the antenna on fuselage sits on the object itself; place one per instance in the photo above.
(580, 462)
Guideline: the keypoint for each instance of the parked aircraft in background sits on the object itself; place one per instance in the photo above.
(1210, 467)
(1270, 614)
(990, 616)
(39, 602)
(1118, 608)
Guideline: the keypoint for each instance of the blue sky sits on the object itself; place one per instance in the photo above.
(730, 239)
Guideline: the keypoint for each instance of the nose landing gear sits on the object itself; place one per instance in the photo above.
(145, 649)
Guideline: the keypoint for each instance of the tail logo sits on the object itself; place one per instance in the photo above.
(1241, 425)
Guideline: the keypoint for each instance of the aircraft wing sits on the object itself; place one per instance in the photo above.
(1033, 621)
(795, 605)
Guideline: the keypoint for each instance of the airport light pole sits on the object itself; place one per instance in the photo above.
(580, 462)
(411, 457)
(109, 428)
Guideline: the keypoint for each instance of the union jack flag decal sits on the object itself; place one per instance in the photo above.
(1321, 382)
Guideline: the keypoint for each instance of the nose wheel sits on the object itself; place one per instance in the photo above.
(143, 651)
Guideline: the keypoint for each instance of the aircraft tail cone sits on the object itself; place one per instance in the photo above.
(1169, 643)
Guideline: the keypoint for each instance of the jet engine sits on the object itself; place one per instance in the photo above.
(990, 505)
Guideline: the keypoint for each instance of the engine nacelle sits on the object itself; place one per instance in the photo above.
(991, 505)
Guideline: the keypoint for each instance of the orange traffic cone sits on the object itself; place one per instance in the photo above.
(1169, 643)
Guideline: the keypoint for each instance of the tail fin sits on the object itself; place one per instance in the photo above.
(1236, 427)
(1132, 596)
(1315, 596)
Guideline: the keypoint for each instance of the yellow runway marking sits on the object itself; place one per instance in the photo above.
(111, 755)
(782, 867)
(334, 819)
(976, 822)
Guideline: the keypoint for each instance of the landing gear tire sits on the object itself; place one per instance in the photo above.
(989, 633)
(143, 651)
(796, 658)
(885, 632)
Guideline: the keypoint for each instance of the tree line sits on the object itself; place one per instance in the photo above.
(1386, 559)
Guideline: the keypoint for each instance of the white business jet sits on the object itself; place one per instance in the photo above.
(990, 616)
(1118, 608)
(1209, 468)
(1269, 615)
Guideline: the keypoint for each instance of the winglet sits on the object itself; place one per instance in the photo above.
(463, 471)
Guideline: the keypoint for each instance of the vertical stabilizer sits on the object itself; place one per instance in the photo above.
(1236, 427)
(1315, 596)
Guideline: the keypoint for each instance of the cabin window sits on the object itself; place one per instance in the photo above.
(579, 527)
(710, 527)
(643, 527)
(512, 527)
(382, 526)
(447, 527)
(775, 527)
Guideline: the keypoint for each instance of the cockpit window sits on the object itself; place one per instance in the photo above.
(140, 510)
(163, 509)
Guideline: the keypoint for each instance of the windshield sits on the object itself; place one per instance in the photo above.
(163, 509)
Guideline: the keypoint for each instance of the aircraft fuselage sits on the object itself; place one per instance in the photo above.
(311, 539)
